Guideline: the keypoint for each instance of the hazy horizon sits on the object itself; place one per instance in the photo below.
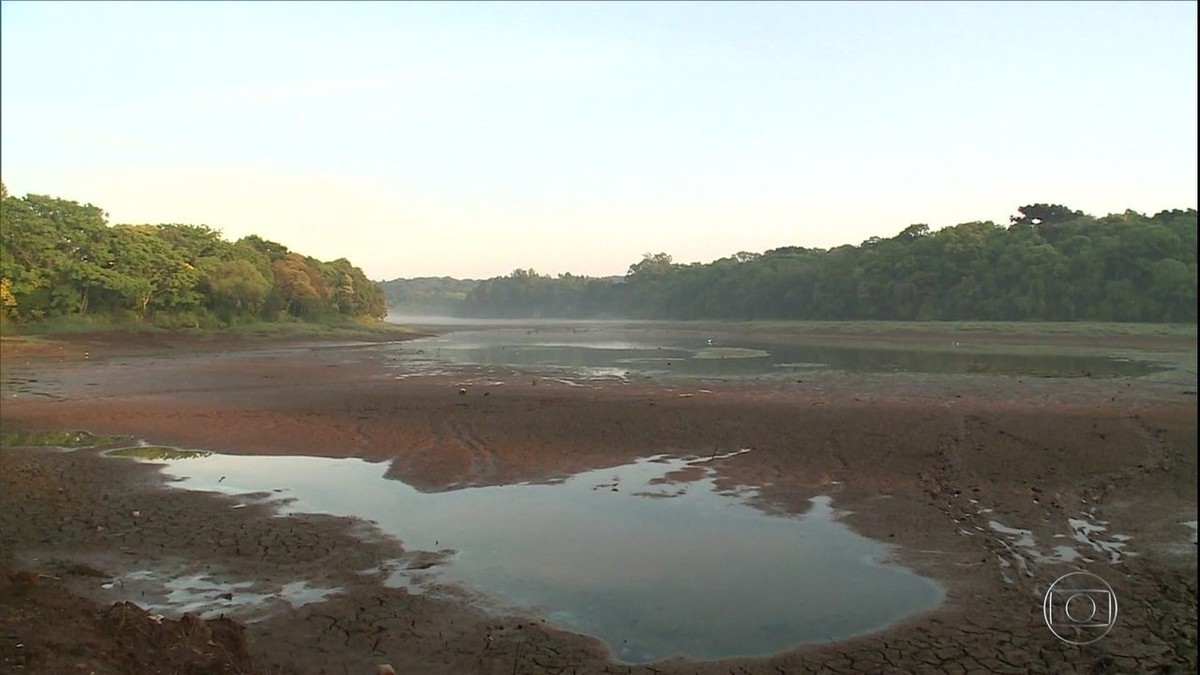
(468, 140)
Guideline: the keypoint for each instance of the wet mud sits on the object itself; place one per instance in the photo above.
(993, 485)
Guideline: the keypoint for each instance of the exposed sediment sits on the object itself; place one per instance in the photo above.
(978, 481)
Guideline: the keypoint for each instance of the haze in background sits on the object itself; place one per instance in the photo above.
(472, 139)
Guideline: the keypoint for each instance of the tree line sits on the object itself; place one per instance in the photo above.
(1048, 263)
(59, 258)
(438, 296)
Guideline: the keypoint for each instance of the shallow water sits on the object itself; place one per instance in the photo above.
(653, 567)
(658, 350)
(172, 589)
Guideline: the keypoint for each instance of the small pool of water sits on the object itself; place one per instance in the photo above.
(650, 557)
(600, 350)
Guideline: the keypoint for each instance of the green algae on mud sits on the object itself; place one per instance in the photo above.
(730, 353)
(157, 452)
(56, 439)
(76, 440)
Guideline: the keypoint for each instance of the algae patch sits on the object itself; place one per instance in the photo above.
(56, 439)
(158, 452)
(731, 353)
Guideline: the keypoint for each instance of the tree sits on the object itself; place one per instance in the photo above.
(1043, 214)
(913, 232)
(151, 270)
(57, 255)
(235, 287)
(652, 265)
(193, 242)
(273, 251)
(1051, 263)
(60, 257)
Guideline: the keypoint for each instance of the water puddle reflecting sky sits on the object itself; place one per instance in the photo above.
(654, 568)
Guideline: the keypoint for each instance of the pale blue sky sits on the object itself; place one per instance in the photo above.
(471, 139)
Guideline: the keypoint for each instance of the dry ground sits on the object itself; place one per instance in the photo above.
(923, 462)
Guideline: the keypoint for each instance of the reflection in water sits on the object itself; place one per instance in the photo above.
(653, 567)
(608, 350)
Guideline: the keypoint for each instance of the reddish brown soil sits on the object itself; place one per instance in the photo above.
(916, 459)
(50, 630)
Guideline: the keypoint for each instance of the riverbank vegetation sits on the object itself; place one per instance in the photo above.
(63, 268)
(1050, 263)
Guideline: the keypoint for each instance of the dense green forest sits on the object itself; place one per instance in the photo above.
(427, 295)
(1049, 263)
(59, 258)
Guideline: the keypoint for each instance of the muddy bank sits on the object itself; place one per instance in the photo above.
(945, 468)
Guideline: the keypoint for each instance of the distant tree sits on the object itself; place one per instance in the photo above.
(1038, 214)
(1052, 263)
(913, 232)
(272, 250)
(430, 295)
(193, 242)
(652, 264)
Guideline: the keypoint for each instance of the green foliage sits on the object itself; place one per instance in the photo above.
(525, 293)
(234, 287)
(426, 295)
(1051, 263)
(61, 261)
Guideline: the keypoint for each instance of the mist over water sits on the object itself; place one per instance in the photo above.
(719, 350)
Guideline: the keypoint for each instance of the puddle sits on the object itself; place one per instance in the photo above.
(1191, 524)
(650, 557)
(1022, 549)
(208, 594)
(607, 351)
(1090, 534)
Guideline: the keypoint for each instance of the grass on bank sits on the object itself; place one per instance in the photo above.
(73, 338)
(207, 324)
(68, 326)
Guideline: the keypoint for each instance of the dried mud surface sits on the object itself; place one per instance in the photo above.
(929, 464)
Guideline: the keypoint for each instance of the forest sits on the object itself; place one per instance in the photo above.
(435, 296)
(61, 260)
(1049, 263)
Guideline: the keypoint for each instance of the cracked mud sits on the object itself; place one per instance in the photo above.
(995, 486)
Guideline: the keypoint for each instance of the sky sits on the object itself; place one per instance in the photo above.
(469, 140)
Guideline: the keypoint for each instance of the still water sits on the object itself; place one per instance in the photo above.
(614, 349)
(652, 564)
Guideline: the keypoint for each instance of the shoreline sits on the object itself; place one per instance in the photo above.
(928, 446)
